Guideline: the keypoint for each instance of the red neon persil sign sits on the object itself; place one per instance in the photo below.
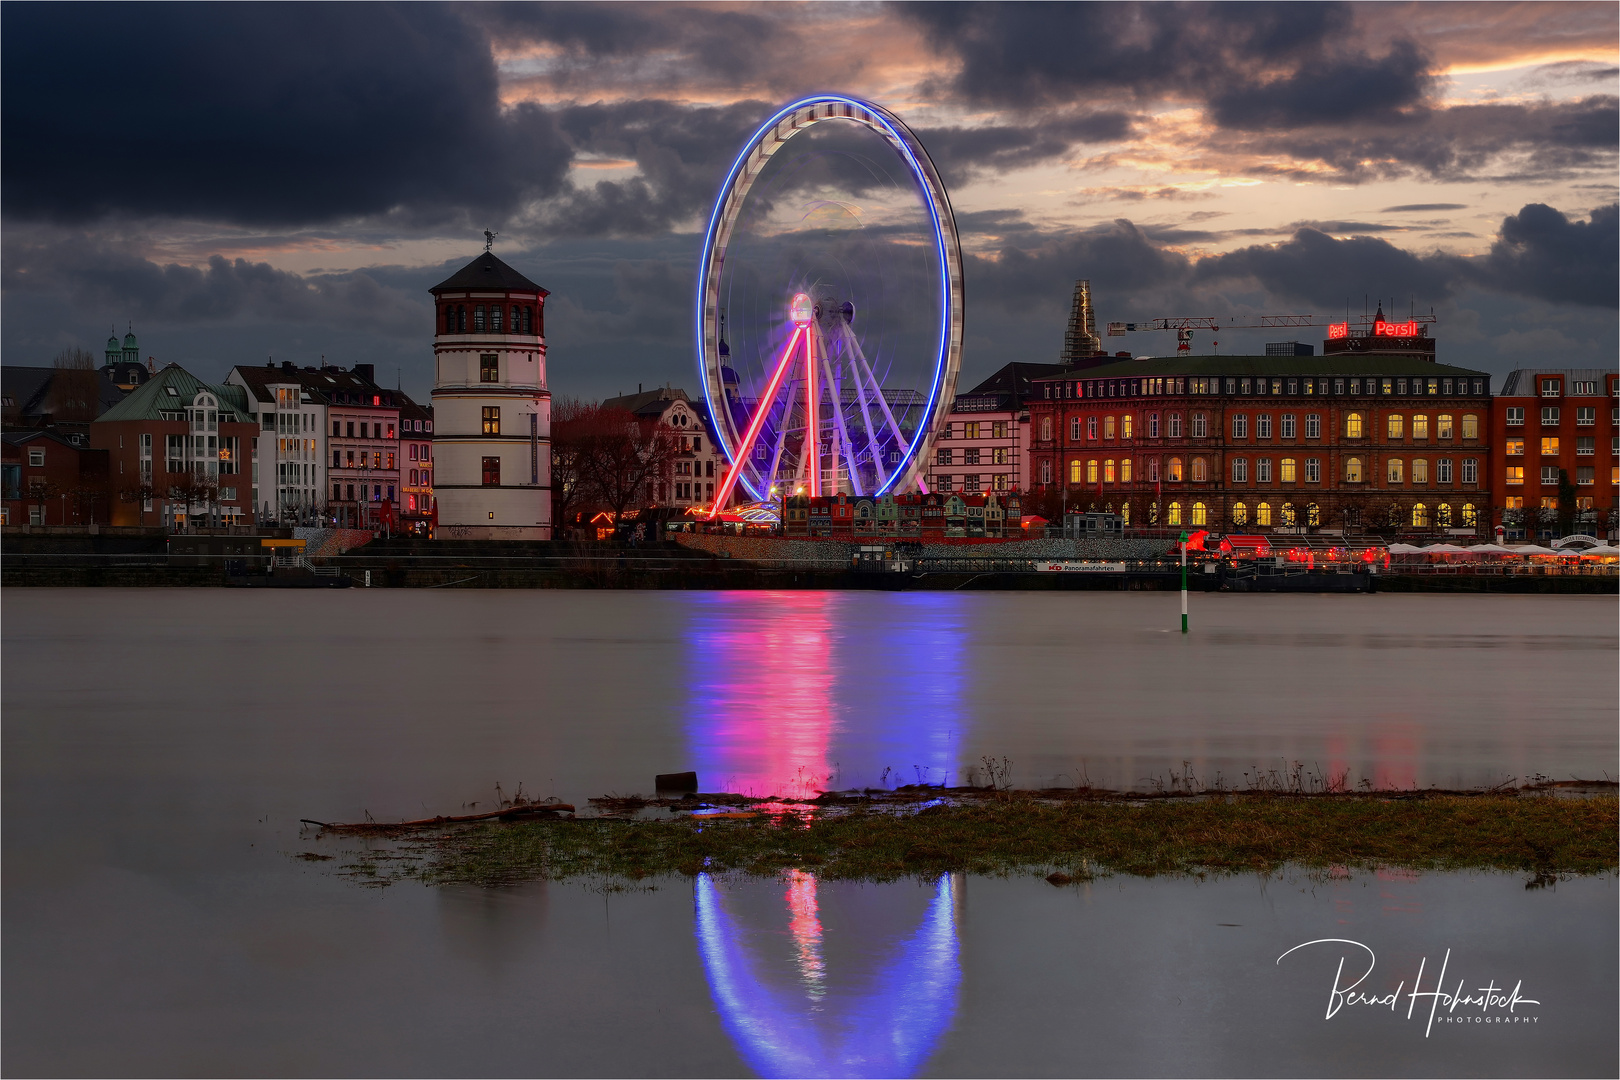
(1338, 330)
(1395, 329)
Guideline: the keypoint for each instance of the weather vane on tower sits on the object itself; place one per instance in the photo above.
(489, 238)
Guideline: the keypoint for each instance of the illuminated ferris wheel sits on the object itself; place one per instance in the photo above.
(829, 305)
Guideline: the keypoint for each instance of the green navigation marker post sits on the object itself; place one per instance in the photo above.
(1183, 583)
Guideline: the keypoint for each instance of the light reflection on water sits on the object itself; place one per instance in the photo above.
(800, 1018)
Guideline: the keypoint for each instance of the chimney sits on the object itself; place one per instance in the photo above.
(287, 365)
(367, 372)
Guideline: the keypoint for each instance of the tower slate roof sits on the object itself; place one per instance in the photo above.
(488, 272)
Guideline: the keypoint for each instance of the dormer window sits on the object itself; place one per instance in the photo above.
(1549, 388)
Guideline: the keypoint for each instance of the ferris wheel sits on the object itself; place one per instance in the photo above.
(829, 305)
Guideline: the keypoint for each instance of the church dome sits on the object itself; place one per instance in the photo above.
(112, 343)
(129, 341)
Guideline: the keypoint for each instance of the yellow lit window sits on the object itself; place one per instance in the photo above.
(1353, 424)
(1289, 474)
(1286, 514)
(1420, 470)
(1175, 514)
(1396, 470)
(1549, 502)
(1515, 474)
(1470, 426)
(1513, 447)
(1420, 426)
(1124, 470)
(1240, 514)
(1442, 426)
(1108, 427)
(1395, 426)
(1091, 471)
(1174, 470)
(1549, 446)
(1262, 514)
(1512, 502)
(1074, 471)
(1353, 471)
(1470, 516)
(1108, 471)
(1125, 426)
(1442, 515)
(1200, 514)
(1420, 516)
(1199, 470)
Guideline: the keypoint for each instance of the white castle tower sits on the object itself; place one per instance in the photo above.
(491, 408)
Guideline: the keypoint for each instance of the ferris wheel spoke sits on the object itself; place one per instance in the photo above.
(873, 446)
(840, 432)
(769, 478)
(761, 411)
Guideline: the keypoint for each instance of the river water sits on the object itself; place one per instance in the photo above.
(160, 745)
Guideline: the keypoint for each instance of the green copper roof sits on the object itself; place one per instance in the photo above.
(152, 398)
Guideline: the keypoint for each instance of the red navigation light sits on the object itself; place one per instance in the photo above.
(1395, 329)
(1338, 330)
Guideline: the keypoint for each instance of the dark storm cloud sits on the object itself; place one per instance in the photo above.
(962, 153)
(261, 113)
(1539, 252)
(1256, 65)
(1318, 270)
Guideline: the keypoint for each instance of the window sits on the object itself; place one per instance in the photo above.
(495, 319)
(1353, 470)
(492, 419)
(478, 319)
(1585, 446)
(1420, 426)
(1288, 429)
(1388, 386)
(1200, 425)
(970, 429)
(1262, 514)
(1442, 426)
(1549, 446)
(1288, 471)
(1074, 429)
(1091, 471)
(1470, 426)
(489, 368)
(1200, 514)
(1240, 426)
(1515, 415)
(1074, 471)
(1470, 516)
(492, 472)
(1153, 425)
(1240, 514)
(1124, 470)
(1514, 475)
(1470, 470)
(970, 455)
(349, 457)
(1420, 470)
(1153, 470)
(1586, 416)
(1420, 516)
(1585, 475)
(1174, 517)
(390, 431)
(1549, 417)
(1262, 470)
(1240, 470)
(1513, 447)
(1442, 515)
(1395, 471)
(1549, 387)
(1046, 429)
(1091, 427)
(1313, 470)
(1200, 470)
(1442, 472)
(1396, 425)
(1108, 471)
(1549, 475)
(1353, 423)
(1175, 425)
(1286, 514)
(1313, 426)
(942, 456)
(350, 426)
(1174, 470)
(1046, 472)
(1262, 426)
(1108, 427)
(1125, 426)
(36, 458)
(390, 460)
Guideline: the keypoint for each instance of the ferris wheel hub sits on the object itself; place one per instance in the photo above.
(801, 310)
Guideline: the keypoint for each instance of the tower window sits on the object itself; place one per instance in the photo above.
(489, 368)
(492, 419)
(495, 319)
(492, 472)
(461, 318)
(450, 319)
(478, 319)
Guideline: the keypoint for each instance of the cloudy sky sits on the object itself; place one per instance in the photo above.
(241, 181)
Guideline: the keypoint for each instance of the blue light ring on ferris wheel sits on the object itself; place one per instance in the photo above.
(947, 246)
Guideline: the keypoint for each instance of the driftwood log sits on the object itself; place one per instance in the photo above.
(506, 814)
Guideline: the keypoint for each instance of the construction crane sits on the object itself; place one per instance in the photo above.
(1184, 326)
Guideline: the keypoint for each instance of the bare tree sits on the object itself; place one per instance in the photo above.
(572, 422)
(623, 454)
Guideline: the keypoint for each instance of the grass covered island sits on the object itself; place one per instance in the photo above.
(1545, 832)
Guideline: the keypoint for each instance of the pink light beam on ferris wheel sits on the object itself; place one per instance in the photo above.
(763, 410)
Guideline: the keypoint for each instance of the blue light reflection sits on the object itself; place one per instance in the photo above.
(887, 1024)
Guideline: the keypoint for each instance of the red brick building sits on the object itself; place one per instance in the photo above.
(1552, 421)
(48, 479)
(179, 450)
(1266, 443)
